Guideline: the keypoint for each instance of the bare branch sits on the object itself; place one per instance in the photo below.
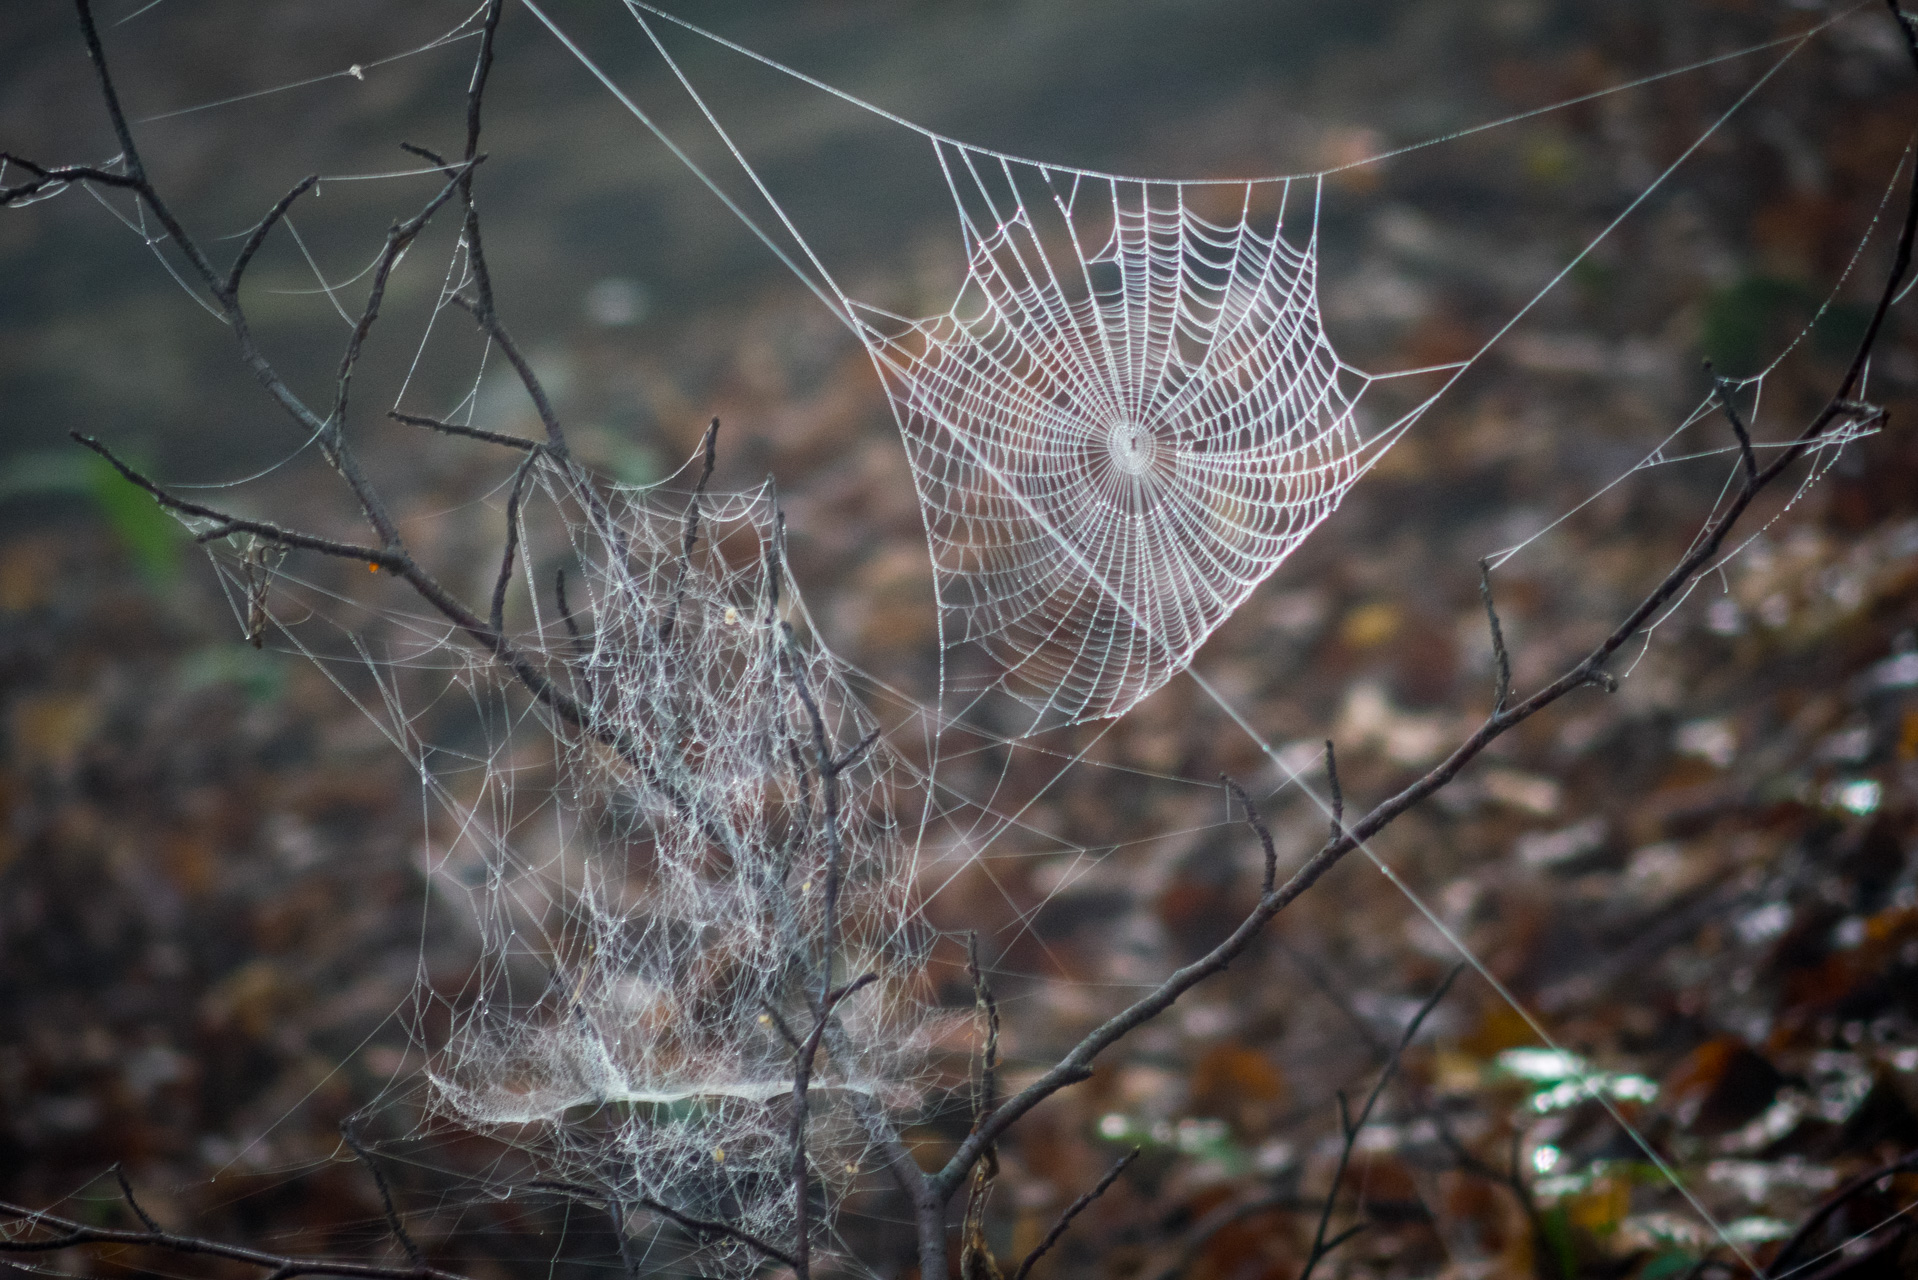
(1781, 1261)
(1074, 1210)
(393, 1223)
(1722, 392)
(61, 176)
(801, 1261)
(332, 436)
(130, 154)
(542, 403)
(779, 1024)
(70, 1234)
(475, 433)
(1332, 785)
(1502, 691)
(231, 291)
(1350, 1129)
(565, 610)
(986, 1097)
(227, 524)
(498, 614)
(855, 752)
(1258, 826)
(126, 1193)
(829, 786)
(691, 536)
(709, 1227)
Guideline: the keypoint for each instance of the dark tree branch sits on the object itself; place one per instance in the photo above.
(975, 1253)
(1502, 690)
(986, 1093)
(146, 1219)
(696, 1225)
(565, 610)
(1722, 392)
(272, 219)
(475, 433)
(1258, 826)
(780, 1025)
(1350, 1128)
(498, 614)
(801, 1260)
(691, 536)
(66, 1233)
(711, 1227)
(225, 524)
(542, 403)
(1332, 787)
(1780, 1263)
(1073, 1210)
(393, 1223)
(332, 437)
(60, 176)
(856, 752)
(829, 766)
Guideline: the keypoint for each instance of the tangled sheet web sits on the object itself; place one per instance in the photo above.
(625, 1027)
(1125, 422)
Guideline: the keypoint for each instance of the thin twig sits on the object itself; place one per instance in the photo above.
(70, 1234)
(1722, 392)
(1259, 828)
(542, 403)
(1833, 1203)
(393, 1222)
(475, 433)
(779, 1024)
(691, 536)
(126, 1193)
(1350, 1128)
(801, 1260)
(985, 1096)
(565, 611)
(710, 1227)
(856, 751)
(1337, 804)
(1074, 1210)
(273, 216)
(1502, 691)
(505, 578)
(975, 1253)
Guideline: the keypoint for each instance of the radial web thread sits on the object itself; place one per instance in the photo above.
(1127, 419)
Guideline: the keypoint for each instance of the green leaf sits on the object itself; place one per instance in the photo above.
(152, 537)
(1670, 1263)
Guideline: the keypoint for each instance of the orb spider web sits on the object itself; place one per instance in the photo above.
(1125, 421)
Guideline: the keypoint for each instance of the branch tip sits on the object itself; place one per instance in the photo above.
(1502, 691)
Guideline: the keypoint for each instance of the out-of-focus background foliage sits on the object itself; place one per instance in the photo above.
(211, 900)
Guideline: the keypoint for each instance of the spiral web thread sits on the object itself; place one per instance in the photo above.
(624, 1028)
(1126, 421)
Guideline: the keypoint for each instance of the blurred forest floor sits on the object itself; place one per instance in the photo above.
(1706, 884)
